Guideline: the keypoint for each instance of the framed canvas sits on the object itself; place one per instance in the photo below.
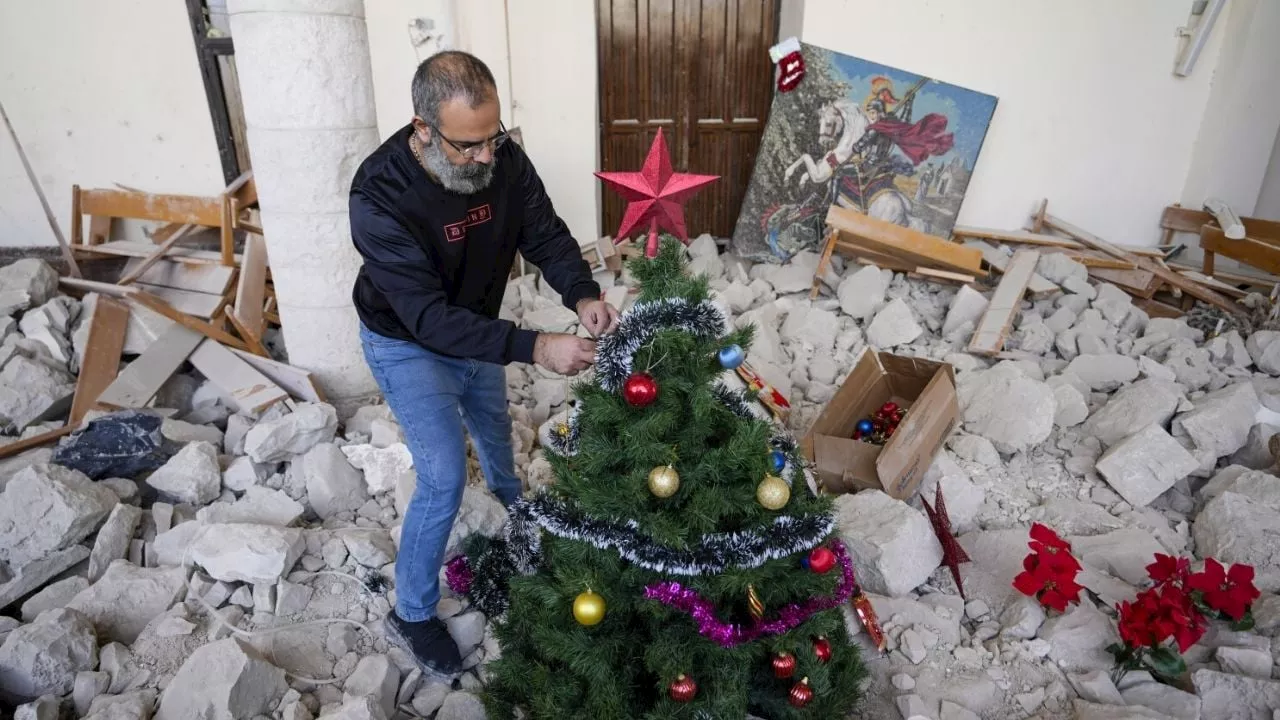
(889, 143)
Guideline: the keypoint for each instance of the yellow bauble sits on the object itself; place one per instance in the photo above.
(664, 481)
(773, 492)
(588, 608)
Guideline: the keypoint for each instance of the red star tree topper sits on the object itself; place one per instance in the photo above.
(655, 196)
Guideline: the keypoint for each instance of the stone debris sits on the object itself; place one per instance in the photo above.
(127, 597)
(53, 596)
(1144, 465)
(44, 508)
(892, 545)
(25, 284)
(112, 542)
(246, 553)
(44, 657)
(385, 469)
(259, 505)
(333, 485)
(191, 476)
(222, 679)
(377, 678)
(292, 434)
(1006, 407)
(124, 444)
(893, 325)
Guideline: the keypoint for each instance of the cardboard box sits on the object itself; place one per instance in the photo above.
(927, 389)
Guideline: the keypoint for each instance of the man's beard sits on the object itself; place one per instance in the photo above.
(466, 179)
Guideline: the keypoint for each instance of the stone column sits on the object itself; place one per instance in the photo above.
(307, 87)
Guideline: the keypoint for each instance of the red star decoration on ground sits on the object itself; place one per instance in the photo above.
(655, 195)
(952, 553)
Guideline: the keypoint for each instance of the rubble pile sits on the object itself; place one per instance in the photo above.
(191, 561)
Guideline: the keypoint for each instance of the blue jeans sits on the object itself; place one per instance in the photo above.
(433, 396)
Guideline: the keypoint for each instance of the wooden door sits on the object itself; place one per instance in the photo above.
(698, 69)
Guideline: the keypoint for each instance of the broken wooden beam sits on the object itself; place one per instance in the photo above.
(910, 245)
(249, 389)
(994, 257)
(992, 331)
(161, 249)
(35, 441)
(1022, 237)
(101, 363)
(141, 379)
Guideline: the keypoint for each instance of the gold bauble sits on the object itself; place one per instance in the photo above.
(664, 481)
(588, 608)
(773, 492)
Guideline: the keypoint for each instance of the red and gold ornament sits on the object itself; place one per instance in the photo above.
(784, 665)
(800, 694)
(822, 649)
(821, 560)
(683, 689)
(640, 389)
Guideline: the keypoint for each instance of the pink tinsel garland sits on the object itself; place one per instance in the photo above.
(457, 574)
(673, 594)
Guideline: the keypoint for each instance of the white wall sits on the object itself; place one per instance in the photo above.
(99, 93)
(1090, 113)
(543, 57)
(1269, 197)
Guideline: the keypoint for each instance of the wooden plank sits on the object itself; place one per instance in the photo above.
(35, 441)
(77, 218)
(196, 277)
(1265, 281)
(1225, 289)
(1021, 237)
(132, 248)
(1134, 282)
(141, 379)
(101, 362)
(828, 246)
(1093, 261)
(1157, 309)
(193, 209)
(1037, 284)
(1248, 250)
(902, 242)
(298, 382)
(249, 389)
(226, 239)
(944, 275)
(252, 341)
(251, 292)
(870, 257)
(1194, 289)
(166, 231)
(153, 303)
(154, 257)
(1180, 219)
(1037, 218)
(993, 329)
(201, 305)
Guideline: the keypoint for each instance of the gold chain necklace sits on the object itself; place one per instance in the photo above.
(415, 146)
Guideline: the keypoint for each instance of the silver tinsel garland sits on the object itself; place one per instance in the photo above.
(615, 353)
(713, 554)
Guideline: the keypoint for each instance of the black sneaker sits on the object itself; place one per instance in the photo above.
(428, 641)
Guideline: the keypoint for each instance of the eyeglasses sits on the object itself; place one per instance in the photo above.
(472, 150)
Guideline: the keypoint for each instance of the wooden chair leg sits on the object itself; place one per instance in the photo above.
(1207, 269)
(77, 220)
(823, 263)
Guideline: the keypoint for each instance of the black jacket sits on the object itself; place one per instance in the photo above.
(436, 263)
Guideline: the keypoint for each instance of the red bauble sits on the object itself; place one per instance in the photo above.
(821, 560)
(800, 694)
(784, 665)
(890, 408)
(683, 688)
(822, 648)
(640, 389)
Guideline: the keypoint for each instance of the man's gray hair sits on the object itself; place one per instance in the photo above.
(450, 75)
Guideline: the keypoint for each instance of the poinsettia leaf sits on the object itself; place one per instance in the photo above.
(1166, 663)
(1245, 623)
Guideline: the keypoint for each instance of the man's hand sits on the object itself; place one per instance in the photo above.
(597, 316)
(564, 354)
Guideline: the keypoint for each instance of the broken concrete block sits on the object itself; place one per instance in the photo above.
(191, 476)
(1008, 408)
(32, 391)
(132, 705)
(893, 325)
(53, 596)
(969, 305)
(377, 678)
(243, 473)
(1265, 351)
(794, 277)
(1260, 487)
(385, 433)
(171, 548)
(1225, 697)
(224, 679)
(813, 326)
(467, 631)
(365, 708)
(45, 508)
(292, 598)
(1078, 639)
(293, 434)
(1228, 350)
(1085, 710)
(1125, 553)
(385, 469)
(88, 685)
(481, 512)
(974, 448)
(892, 545)
(1057, 267)
(962, 496)
(112, 542)
(1171, 701)
(36, 573)
(127, 597)
(247, 553)
(26, 283)
(1220, 423)
(1256, 452)
(259, 505)
(123, 444)
(50, 325)
(1113, 303)
(1071, 406)
(1144, 465)
(1134, 407)
(333, 485)
(1191, 366)
(1096, 687)
(1104, 373)
(461, 705)
(369, 547)
(1249, 662)
(1069, 516)
(44, 657)
(1233, 528)
(1174, 328)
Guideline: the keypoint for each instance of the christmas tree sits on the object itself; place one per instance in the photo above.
(680, 566)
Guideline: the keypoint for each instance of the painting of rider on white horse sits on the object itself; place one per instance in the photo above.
(894, 145)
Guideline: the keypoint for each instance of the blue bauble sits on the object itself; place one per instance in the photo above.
(779, 461)
(866, 427)
(731, 357)
(804, 562)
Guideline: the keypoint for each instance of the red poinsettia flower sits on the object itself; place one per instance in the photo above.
(1181, 617)
(1137, 621)
(1227, 591)
(1169, 569)
(1051, 584)
(1051, 548)
(1158, 614)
